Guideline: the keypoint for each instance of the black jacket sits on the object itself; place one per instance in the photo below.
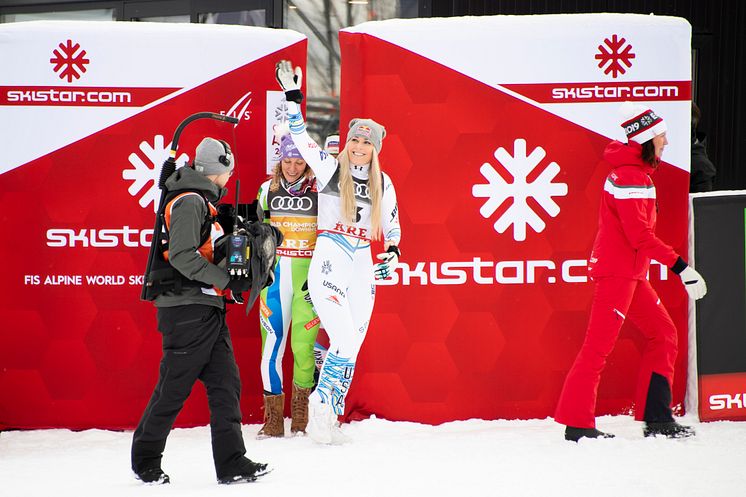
(703, 170)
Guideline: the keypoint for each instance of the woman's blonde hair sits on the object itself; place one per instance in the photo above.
(347, 191)
(276, 175)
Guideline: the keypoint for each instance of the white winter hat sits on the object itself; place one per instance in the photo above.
(639, 123)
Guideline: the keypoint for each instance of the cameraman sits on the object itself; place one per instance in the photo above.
(196, 340)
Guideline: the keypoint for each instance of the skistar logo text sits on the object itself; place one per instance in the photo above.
(501, 272)
(613, 55)
(144, 176)
(727, 401)
(68, 61)
(497, 190)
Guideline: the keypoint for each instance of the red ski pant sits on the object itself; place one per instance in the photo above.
(614, 300)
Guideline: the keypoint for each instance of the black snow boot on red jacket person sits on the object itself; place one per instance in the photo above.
(658, 415)
(574, 434)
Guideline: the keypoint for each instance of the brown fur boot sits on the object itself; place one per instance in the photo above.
(299, 409)
(274, 419)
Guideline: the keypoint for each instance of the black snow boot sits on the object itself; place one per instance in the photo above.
(249, 472)
(669, 429)
(658, 416)
(658, 402)
(153, 476)
(574, 434)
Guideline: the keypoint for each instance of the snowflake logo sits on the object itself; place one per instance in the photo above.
(616, 55)
(68, 61)
(326, 267)
(145, 176)
(541, 189)
(281, 112)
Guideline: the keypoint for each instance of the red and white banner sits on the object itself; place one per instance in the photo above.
(722, 397)
(496, 128)
(87, 112)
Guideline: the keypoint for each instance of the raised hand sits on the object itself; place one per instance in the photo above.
(290, 80)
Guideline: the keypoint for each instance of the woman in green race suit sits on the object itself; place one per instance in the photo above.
(290, 198)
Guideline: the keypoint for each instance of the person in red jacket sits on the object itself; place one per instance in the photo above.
(618, 266)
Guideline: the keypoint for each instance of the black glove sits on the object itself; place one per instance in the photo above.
(289, 80)
(239, 285)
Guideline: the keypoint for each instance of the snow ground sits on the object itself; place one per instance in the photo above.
(463, 458)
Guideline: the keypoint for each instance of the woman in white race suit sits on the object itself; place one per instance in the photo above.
(357, 204)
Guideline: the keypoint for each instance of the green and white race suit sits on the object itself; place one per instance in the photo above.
(292, 209)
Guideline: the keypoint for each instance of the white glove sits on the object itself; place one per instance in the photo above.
(694, 283)
(290, 80)
(388, 259)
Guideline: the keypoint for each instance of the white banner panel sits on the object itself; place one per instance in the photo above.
(111, 69)
(593, 61)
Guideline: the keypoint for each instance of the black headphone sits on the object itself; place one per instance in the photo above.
(227, 158)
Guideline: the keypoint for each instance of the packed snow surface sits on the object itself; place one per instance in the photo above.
(384, 458)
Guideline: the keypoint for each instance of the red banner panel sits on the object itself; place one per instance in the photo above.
(498, 198)
(78, 349)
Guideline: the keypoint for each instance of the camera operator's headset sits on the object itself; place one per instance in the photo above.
(226, 159)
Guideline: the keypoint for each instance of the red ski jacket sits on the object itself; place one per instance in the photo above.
(626, 239)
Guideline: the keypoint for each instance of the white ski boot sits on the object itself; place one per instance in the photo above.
(321, 421)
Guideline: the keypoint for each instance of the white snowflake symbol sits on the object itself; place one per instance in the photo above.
(520, 166)
(144, 176)
(281, 112)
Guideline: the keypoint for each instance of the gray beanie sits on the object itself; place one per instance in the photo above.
(213, 157)
(369, 129)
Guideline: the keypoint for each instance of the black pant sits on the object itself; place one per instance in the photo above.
(658, 405)
(196, 346)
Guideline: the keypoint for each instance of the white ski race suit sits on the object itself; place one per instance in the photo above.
(341, 279)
